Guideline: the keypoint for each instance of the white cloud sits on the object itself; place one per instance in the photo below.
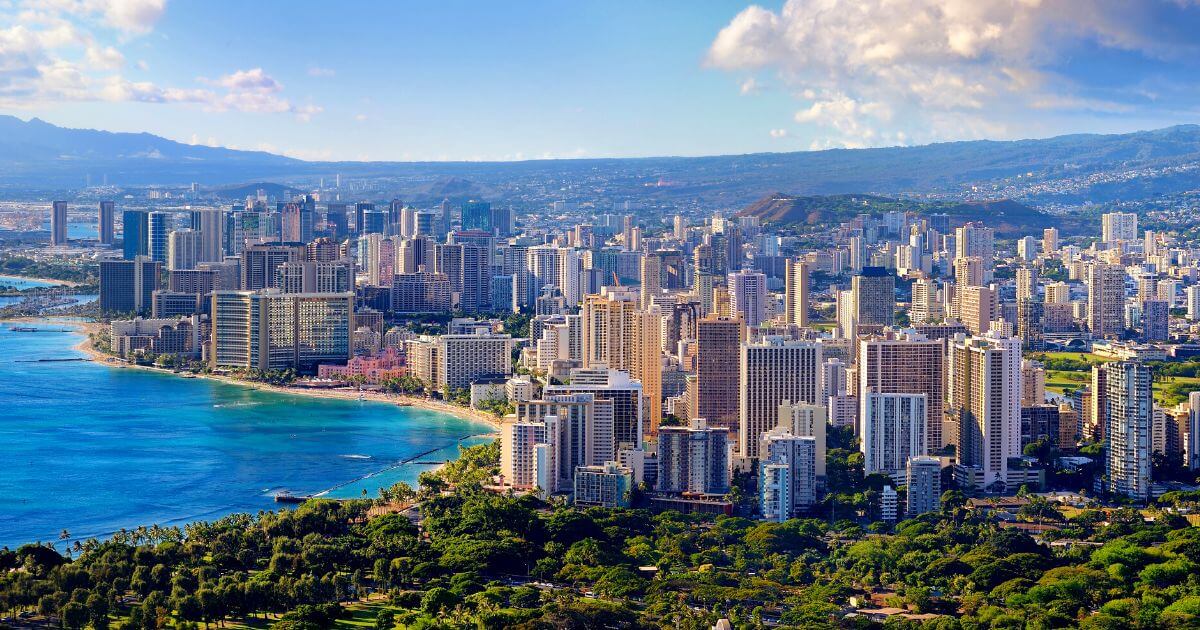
(133, 16)
(254, 80)
(779, 133)
(70, 50)
(360, 117)
(318, 71)
(950, 68)
(750, 86)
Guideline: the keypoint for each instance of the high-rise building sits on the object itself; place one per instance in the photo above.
(1058, 293)
(973, 239)
(1027, 284)
(477, 215)
(465, 359)
(183, 249)
(420, 292)
(925, 305)
(609, 384)
(1154, 320)
(1106, 300)
(1033, 383)
(128, 286)
(787, 476)
(716, 387)
(161, 225)
(748, 296)
(805, 420)
(693, 459)
(874, 297)
(893, 430)
(1130, 411)
(316, 277)
(969, 271)
(984, 398)
(620, 335)
(104, 223)
(773, 370)
(136, 233)
(651, 275)
(978, 307)
(1192, 295)
(268, 330)
(1192, 450)
(1049, 240)
(906, 363)
(1118, 226)
(1027, 248)
(924, 481)
(797, 287)
(210, 224)
(58, 223)
(260, 264)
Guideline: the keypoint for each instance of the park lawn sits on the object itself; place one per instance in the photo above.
(362, 615)
(1077, 356)
(1174, 389)
(1058, 381)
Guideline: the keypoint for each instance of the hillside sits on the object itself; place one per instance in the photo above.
(780, 210)
(1066, 169)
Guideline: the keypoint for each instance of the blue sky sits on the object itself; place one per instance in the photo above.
(528, 79)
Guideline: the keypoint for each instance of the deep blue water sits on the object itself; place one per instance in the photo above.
(91, 448)
(17, 282)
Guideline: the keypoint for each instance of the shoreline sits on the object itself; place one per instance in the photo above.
(49, 281)
(399, 400)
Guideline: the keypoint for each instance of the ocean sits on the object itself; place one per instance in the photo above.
(92, 449)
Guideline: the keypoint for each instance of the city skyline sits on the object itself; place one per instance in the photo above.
(625, 80)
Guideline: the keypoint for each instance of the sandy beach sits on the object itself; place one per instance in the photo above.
(51, 281)
(85, 346)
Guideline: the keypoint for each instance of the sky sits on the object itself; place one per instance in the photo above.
(532, 79)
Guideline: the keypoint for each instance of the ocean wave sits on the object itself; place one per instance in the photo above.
(357, 457)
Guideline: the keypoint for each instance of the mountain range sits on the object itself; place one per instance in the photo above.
(1066, 169)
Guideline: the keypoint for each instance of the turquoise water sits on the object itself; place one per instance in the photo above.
(17, 282)
(92, 449)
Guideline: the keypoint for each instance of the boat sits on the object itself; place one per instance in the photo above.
(23, 329)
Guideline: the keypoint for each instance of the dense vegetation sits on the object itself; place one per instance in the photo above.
(488, 561)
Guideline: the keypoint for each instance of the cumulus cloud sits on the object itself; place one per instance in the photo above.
(779, 133)
(69, 50)
(866, 69)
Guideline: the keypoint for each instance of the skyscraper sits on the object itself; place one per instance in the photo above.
(787, 476)
(694, 459)
(614, 385)
(924, 481)
(905, 363)
(1118, 226)
(1130, 411)
(1106, 300)
(268, 330)
(973, 239)
(773, 370)
(58, 223)
(477, 215)
(893, 430)
(136, 235)
(718, 344)
(183, 249)
(748, 296)
(984, 376)
(1049, 240)
(796, 292)
(874, 295)
(620, 335)
(104, 223)
(128, 286)
(159, 235)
